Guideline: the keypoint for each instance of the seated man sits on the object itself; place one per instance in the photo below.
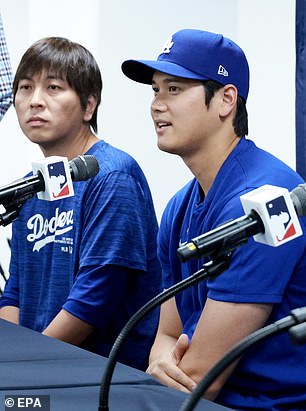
(83, 265)
(200, 83)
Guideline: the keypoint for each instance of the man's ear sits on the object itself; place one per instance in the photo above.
(229, 100)
(90, 108)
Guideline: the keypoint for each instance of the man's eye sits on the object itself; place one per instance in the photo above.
(24, 87)
(54, 87)
(173, 89)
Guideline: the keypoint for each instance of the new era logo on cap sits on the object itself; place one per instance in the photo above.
(222, 71)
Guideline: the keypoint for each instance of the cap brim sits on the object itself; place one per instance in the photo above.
(142, 70)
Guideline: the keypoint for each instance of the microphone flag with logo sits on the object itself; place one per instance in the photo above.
(57, 177)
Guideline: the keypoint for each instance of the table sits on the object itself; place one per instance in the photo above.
(34, 364)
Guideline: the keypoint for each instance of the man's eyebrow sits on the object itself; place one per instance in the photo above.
(47, 77)
(54, 77)
(25, 78)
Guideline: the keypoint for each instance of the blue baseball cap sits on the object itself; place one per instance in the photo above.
(197, 55)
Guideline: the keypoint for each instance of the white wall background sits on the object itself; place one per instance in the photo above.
(116, 30)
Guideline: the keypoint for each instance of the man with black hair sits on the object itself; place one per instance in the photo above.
(200, 82)
(83, 265)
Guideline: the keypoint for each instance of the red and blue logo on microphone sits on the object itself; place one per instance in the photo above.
(57, 178)
(276, 210)
(59, 186)
(281, 221)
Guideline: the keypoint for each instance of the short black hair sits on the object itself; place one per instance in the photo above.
(68, 60)
(240, 122)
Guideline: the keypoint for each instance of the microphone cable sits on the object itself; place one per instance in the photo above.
(292, 323)
(210, 269)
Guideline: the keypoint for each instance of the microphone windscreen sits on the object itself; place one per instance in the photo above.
(298, 196)
(84, 167)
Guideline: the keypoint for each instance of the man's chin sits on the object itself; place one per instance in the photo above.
(166, 148)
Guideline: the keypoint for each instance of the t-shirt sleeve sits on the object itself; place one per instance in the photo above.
(116, 223)
(96, 293)
(114, 243)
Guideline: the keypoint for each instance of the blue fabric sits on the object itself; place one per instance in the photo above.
(93, 254)
(272, 373)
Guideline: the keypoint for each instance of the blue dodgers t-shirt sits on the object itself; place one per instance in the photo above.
(94, 254)
(273, 372)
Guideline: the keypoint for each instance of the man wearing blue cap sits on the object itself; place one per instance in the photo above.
(201, 82)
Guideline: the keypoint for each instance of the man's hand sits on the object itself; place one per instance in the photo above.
(165, 367)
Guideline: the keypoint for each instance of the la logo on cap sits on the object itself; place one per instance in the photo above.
(222, 71)
(169, 43)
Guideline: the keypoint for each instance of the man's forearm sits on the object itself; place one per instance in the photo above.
(10, 313)
(66, 327)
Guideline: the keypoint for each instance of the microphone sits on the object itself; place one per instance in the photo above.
(271, 217)
(52, 179)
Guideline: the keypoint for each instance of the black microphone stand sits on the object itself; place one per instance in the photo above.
(211, 269)
(295, 323)
(13, 209)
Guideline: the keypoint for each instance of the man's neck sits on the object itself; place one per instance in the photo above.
(206, 164)
(71, 149)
